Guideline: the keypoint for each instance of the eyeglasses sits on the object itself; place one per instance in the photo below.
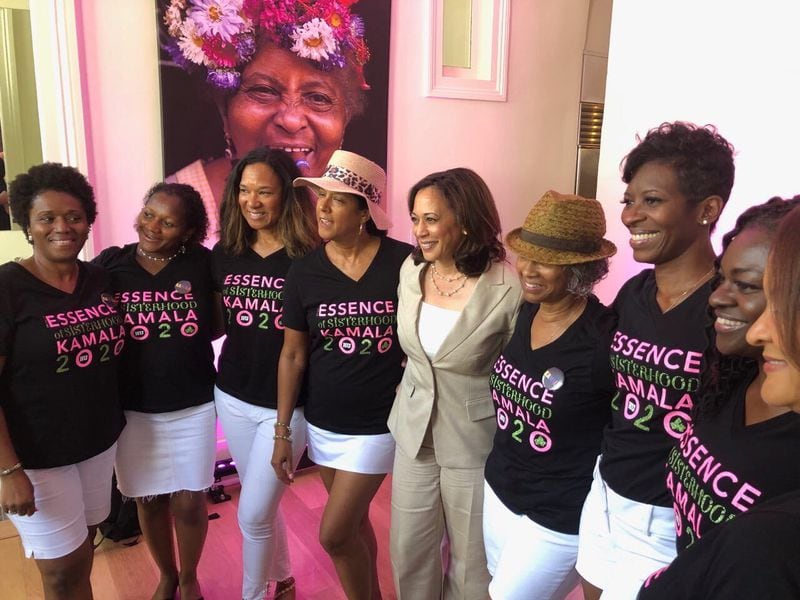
(317, 102)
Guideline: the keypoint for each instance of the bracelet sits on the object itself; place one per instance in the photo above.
(282, 437)
(10, 470)
(284, 425)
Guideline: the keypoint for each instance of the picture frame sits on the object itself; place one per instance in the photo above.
(487, 25)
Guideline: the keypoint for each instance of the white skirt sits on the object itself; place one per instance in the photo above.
(367, 454)
(163, 453)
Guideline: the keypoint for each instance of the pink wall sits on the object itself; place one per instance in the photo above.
(521, 147)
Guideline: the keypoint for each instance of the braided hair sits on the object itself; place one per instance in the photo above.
(724, 373)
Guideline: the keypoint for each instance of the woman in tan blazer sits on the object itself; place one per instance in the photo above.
(456, 311)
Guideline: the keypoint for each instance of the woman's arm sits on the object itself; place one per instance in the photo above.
(291, 366)
(16, 491)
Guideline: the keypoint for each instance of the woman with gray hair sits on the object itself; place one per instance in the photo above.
(551, 388)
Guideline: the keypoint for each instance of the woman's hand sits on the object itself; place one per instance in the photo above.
(16, 494)
(282, 461)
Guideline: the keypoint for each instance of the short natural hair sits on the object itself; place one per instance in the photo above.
(49, 177)
(194, 211)
(296, 224)
(701, 158)
(468, 196)
(584, 276)
(783, 289)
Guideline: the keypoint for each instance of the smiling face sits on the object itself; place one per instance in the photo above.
(435, 226)
(662, 222)
(284, 102)
(161, 225)
(542, 283)
(339, 216)
(739, 299)
(260, 194)
(58, 226)
(781, 385)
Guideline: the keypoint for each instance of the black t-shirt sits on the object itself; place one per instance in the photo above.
(657, 359)
(252, 297)
(168, 362)
(547, 441)
(722, 468)
(754, 557)
(59, 386)
(355, 359)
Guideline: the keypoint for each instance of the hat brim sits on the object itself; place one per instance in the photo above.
(549, 256)
(378, 215)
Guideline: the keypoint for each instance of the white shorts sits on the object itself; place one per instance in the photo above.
(367, 454)
(163, 453)
(622, 541)
(525, 559)
(68, 500)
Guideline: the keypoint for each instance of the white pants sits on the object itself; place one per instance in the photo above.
(525, 559)
(68, 500)
(622, 541)
(249, 430)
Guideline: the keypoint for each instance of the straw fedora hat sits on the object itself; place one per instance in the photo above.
(350, 173)
(562, 229)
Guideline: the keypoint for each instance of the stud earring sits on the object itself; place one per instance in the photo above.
(360, 229)
(464, 231)
(705, 221)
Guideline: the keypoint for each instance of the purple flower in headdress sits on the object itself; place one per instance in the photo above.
(246, 47)
(225, 79)
(356, 26)
(177, 56)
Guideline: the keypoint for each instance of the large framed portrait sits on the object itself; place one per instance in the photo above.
(306, 76)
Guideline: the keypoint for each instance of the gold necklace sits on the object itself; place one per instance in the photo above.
(450, 293)
(682, 296)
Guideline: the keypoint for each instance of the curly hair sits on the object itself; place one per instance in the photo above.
(468, 196)
(723, 373)
(701, 158)
(49, 177)
(296, 224)
(584, 276)
(194, 211)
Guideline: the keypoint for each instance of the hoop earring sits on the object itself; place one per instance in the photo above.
(230, 149)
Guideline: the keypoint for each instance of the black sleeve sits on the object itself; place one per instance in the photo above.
(294, 316)
(748, 558)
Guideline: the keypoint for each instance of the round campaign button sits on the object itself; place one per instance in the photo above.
(553, 379)
(183, 286)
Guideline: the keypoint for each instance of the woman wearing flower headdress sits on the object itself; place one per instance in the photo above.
(286, 74)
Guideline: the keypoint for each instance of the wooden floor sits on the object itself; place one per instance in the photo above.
(128, 573)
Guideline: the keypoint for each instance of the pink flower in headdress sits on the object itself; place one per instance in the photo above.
(220, 52)
(217, 18)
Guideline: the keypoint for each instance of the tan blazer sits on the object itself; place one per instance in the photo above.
(451, 392)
